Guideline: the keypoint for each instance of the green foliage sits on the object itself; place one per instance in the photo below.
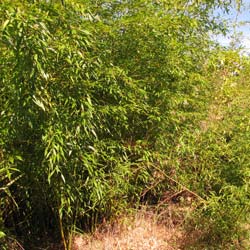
(93, 97)
(215, 161)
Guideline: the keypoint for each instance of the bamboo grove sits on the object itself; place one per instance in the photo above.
(99, 97)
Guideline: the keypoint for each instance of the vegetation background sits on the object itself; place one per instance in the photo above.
(107, 105)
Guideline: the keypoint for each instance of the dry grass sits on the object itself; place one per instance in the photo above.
(142, 231)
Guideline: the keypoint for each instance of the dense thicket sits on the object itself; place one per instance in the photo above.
(95, 97)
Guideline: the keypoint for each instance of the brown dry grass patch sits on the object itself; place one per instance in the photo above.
(141, 231)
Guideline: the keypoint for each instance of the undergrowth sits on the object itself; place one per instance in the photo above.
(217, 167)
